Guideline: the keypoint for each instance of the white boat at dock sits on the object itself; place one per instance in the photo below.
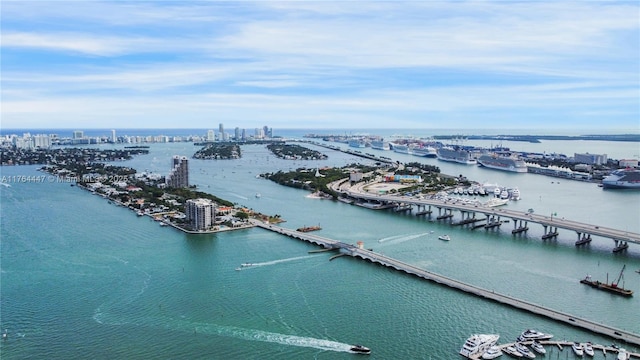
(492, 353)
(478, 344)
(524, 350)
(511, 350)
(588, 349)
(537, 347)
(577, 349)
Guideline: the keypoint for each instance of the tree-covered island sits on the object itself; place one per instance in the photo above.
(295, 152)
(219, 151)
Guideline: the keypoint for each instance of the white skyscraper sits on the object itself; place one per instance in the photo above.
(201, 213)
(113, 136)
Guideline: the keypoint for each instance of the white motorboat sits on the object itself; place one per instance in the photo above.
(444, 237)
(515, 194)
(524, 350)
(511, 350)
(537, 347)
(577, 349)
(588, 348)
(622, 354)
(478, 344)
(492, 353)
(531, 334)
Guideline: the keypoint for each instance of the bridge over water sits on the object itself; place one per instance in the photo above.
(493, 216)
(371, 256)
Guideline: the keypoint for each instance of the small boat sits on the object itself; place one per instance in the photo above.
(246, 264)
(5, 335)
(360, 349)
(537, 347)
(524, 350)
(492, 353)
(577, 349)
(444, 237)
(622, 355)
(238, 268)
(588, 348)
(510, 350)
(258, 195)
(531, 334)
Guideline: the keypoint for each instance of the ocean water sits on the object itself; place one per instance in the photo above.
(83, 278)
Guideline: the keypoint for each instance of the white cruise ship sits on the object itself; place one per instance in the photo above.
(501, 162)
(478, 344)
(425, 151)
(400, 148)
(455, 154)
(622, 179)
(380, 145)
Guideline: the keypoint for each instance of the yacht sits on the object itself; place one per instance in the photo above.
(588, 348)
(537, 347)
(531, 334)
(577, 349)
(444, 237)
(515, 194)
(622, 354)
(493, 202)
(492, 353)
(524, 350)
(478, 344)
(511, 350)
(360, 349)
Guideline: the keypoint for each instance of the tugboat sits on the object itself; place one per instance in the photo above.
(613, 287)
(360, 349)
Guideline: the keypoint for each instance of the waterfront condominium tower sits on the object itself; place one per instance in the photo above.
(200, 213)
(179, 175)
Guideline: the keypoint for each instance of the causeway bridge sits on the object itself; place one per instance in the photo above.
(492, 216)
(377, 258)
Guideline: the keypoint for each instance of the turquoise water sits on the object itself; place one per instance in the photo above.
(82, 278)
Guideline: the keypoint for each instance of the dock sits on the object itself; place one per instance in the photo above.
(563, 343)
(383, 260)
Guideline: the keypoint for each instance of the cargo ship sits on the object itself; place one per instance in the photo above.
(613, 287)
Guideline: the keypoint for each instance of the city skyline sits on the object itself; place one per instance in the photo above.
(450, 65)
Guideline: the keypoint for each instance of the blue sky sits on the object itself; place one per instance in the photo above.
(307, 64)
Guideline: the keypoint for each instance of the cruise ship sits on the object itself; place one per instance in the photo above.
(380, 145)
(455, 154)
(400, 148)
(478, 344)
(357, 143)
(622, 179)
(502, 162)
(425, 151)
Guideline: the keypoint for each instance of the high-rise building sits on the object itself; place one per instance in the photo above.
(211, 136)
(113, 136)
(221, 131)
(200, 213)
(237, 134)
(78, 134)
(179, 175)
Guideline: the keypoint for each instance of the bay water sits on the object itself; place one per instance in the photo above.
(84, 278)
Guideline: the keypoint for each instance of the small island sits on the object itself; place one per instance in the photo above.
(295, 152)
(219, 151)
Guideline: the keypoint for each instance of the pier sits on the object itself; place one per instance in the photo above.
(551, 224)
(377, 258)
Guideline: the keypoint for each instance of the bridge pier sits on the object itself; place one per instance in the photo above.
(583, 238)
(620, 245)
(424, 211)
(448, 213)
(519, 226)
(553, 232)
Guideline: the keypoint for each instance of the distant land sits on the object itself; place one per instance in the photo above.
(537, 138)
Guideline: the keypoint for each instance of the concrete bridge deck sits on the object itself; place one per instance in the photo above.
(584, 229)
(387, 261)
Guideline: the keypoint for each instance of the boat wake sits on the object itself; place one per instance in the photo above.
(275, 262)
(402, 238)
(239, 196)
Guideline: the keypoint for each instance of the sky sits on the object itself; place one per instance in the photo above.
(321, 64)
